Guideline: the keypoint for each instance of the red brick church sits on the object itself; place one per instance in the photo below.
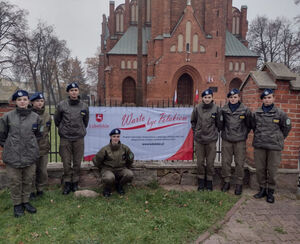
(188, 46)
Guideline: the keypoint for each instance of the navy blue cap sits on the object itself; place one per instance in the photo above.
(115, 132)
(233, 92)
(37, 95)
(72, 85)
(19, 93)
(266, 92)
(207, 92)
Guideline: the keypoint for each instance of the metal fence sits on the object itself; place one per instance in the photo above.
(54, 137)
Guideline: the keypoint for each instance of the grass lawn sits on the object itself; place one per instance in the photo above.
(144, 215)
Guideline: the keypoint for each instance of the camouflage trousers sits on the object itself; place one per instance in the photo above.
(112, 176)
(40, 178)
(20, 183)
(71, 151)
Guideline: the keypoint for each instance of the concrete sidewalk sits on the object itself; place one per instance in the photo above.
(255, 221)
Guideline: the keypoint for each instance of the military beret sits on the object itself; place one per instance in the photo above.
(19, 93)
(232, 92)
(207, 92)
(266, 92)
(115, 132)
(37, 95)
(72, 85)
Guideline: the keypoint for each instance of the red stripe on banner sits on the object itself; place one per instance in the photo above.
(161, 127)
(133, 128)
(186, 151)
(89, 157)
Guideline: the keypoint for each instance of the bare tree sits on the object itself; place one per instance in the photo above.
(275, 41)
(12, 23)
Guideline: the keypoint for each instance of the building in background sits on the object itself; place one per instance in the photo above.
(188, 46)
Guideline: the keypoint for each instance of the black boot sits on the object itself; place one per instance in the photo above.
(39, 193)
(67, 188)
(209, 185)
(262, 193)
(120, 189)
(29, 208)
(226, 187)
(106, 192)
(18, 210)
(270, 197)
(75, 186)
(238, 189)
(32, 196)
(200, 184)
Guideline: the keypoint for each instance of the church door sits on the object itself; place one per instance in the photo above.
(185, 90)
(128, 91)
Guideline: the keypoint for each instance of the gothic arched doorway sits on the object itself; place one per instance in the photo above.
(235, 83)
(128, 91)
(185, 90)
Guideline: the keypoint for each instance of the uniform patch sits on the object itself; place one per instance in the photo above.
(288, 121)
(276, 121)
(242, 116)
(213, 116)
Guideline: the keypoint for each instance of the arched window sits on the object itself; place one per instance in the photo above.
(195, 43)
(243, 67)
(128, 91)
(185, 89)
(230, 66)
(180, 43)
(120, 19)
(173, 49)
(134, 12)
(236, 16)
(128, 64)
(236, 67)
(123, 64)
(134, 64)
(188, 30)
(202, 49)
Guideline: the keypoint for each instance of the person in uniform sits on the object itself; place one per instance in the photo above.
(114, 162)
(41, 175)
(235, 125)
(71, 117)
(204, 125)
(19, 130)
(271, 126)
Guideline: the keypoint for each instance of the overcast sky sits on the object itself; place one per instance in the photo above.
(79, 21)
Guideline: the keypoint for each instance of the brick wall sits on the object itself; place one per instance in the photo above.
(3, 109)
(288, 101)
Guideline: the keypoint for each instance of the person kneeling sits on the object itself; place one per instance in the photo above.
(114, 161)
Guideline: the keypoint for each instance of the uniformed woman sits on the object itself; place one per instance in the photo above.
(18, 131)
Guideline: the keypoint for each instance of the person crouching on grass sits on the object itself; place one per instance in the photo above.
(19, 130)
(41, 175)
(114, 162)
(204, 121)
(271, 126)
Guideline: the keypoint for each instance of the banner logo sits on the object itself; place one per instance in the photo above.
(99, 117)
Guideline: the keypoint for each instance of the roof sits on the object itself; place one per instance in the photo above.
(6, 91)
(262, 79)
(128, 42)
(295, 84)
(235, 48)
(279, 71)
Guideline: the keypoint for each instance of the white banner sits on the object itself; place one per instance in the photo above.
(151, 133)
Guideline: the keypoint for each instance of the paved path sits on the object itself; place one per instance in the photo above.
(256, 221)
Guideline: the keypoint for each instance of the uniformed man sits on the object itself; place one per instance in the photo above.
(114, 162)
(235, 125)
(41, 174)
(71, 118)
(204, 125)
(271, 126)
(18, 131)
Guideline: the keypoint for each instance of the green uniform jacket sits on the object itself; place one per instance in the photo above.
(204, 122)
(71, 118)
(107, 158)
(18, 131)
(43, 141)
(236, 125)
(270, 129)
